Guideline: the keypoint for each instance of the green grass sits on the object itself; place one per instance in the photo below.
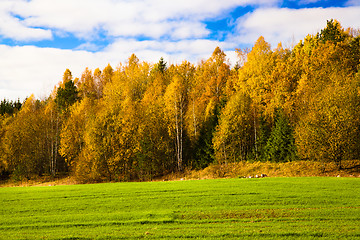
(288, 208)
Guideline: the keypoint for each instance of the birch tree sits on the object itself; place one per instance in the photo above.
(176, 102)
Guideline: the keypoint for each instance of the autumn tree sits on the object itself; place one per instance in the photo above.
(156, 154)
(143, 120)
(25, 145)
(4, 121)
(207, 96)
(102, 78)
(234, 138)
(327, 103)
(255, 80)
(87, 86)
(176, 104)
(329, 132)
(112, 138)
(74, 130)
(7, 110)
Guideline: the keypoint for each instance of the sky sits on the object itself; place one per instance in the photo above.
(40, 39)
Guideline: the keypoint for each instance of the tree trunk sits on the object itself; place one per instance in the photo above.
(181, 138)
(179, 133)
(194, 119)
(255, 136)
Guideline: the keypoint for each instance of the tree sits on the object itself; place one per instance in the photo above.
(280, 146)
(255, 80)
(25, 146)
(329, 132)
(9, 107)
(103, 79)
(143, 120)
(283, 81)
(207, 96)
(72, 135)
(112, 142)
(176, 101)
(87, 85)
(326, 105)
(333, 32)
(66, 96)
(161, 66)
(4, 165)
(53, 121)
(156, 154)
(67, 93)
(234, 140)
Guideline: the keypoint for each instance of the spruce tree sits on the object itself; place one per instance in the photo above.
(280, 146)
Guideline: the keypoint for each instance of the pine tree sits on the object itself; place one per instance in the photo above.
(333, 32)
(66, 96)
(280, 146)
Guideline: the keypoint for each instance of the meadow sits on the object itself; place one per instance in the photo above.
(270, 208)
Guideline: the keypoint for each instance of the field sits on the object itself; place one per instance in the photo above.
(288, 208)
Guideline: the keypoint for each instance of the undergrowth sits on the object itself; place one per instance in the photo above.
(351, 168)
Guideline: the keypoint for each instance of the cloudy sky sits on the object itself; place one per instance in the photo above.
(39, 39)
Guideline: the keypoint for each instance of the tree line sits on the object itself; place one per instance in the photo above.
(144, 120)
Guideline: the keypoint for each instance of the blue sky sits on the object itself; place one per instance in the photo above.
(39, 39)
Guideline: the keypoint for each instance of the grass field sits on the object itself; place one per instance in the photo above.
(288, 208)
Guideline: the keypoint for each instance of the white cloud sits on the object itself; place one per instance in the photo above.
(304, 2)
(175, 28)
(287, 25)
(172, 51)
(84, 18)
(183, 30)
(31, 20)
(28, 69)
(88, 46)
(353, 3)
(121, 18)
(14, 28)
